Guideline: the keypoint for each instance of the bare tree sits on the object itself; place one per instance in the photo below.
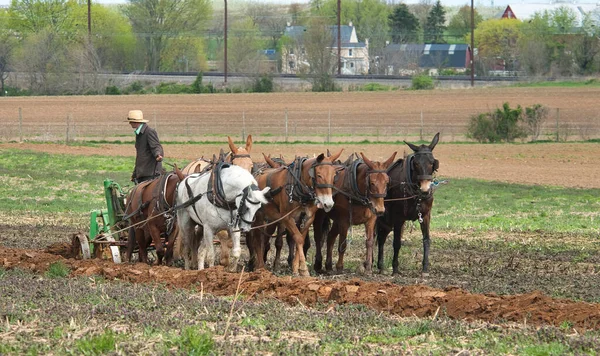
(319, 42)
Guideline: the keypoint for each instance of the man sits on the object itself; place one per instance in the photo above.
(149, 151)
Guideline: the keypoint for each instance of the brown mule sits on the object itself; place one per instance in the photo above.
(361, 189)
(303, 187)
(151, 201)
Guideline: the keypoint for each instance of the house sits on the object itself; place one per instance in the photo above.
(354, 54)
(525, 12)
(407, 59)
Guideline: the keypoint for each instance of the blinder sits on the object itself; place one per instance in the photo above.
(243, 208)
(312, 174)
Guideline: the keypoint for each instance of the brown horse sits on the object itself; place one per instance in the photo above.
(151, 201)
(361, 188)
(410, 197)
(301, 188)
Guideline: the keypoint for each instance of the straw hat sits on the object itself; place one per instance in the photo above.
(136, 116)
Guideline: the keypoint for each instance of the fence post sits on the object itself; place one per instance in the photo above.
(557, 119)
(155, 122)
(421, 130)
(68, 124)
(20, 124)
(286, 126)
(329, 128)
(243, 126)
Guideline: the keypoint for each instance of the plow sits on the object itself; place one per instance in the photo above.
(108, 230)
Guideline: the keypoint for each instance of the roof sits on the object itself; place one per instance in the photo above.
(451, 55)
(525, 12)
(346, 31)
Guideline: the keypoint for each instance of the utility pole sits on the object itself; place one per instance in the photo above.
(225, 43)
(89, 3)
(472, 45)
(339, 36)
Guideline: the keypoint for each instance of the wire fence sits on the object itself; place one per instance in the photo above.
(290, 126)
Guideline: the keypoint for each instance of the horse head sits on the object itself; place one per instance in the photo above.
(320, 173)
(240, 156)
(248, 203)
(377, 181)
(422, 164)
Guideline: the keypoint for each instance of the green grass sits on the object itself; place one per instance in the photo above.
(56, 183)
(482, 205)
(192, 341)
(97, 344)
(563, 84)
(57, 270)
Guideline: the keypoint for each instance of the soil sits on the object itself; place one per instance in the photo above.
(420, 300)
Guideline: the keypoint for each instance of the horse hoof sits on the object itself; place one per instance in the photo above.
(304, 273)
(424, 274)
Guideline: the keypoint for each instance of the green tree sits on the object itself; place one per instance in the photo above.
(155, 22)
(497, 40)
(460, 23)
(535, 45)
(112, 37)
(435, 26)
(244, 45)
(586, 47)
(33, 16)
(404, 26)
(8, 44)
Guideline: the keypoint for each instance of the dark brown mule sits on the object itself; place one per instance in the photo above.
(361, 187)
(303, 187)
(151, 201)
(410, 197)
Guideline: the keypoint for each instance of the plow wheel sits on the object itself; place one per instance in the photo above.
(80, 246)
(104, 249)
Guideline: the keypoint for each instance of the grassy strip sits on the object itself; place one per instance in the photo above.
(56, 183)
(559, 84)
(119, 317)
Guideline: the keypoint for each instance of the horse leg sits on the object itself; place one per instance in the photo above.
(236, 251)
(291, 247)
(140, 236)
(383, 231)
(369, 231)
(331, 236)
(318, 232)
(426, 242)
(226, 243)
(186, 234)
(278, 247)
(255, 248)
(398, 227)
(158, 245)
(130, 243)
(299, 264)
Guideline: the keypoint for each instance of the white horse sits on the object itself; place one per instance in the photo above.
(243, 199)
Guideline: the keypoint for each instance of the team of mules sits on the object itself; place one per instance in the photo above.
(230, 194)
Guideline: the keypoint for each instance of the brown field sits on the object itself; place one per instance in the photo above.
(355, 116)
(395, 116)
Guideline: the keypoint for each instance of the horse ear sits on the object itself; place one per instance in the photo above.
(249, 143)
(390, 160)
(436, 165)
(328, 153)
(336, 156)
(367, 161)
(231, 145)
(320, 158)
(435, 140)
(412, 146)
(270, 162)
(177, 171)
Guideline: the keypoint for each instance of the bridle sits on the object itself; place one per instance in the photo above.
(243, 208)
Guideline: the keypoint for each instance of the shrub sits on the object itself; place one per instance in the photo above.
(323, 82)
(499, 125)
(422, 82)
(376, 87)
(535, 117)
(173, 88)
(263, 84)
(112, 90)
(197, 86)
